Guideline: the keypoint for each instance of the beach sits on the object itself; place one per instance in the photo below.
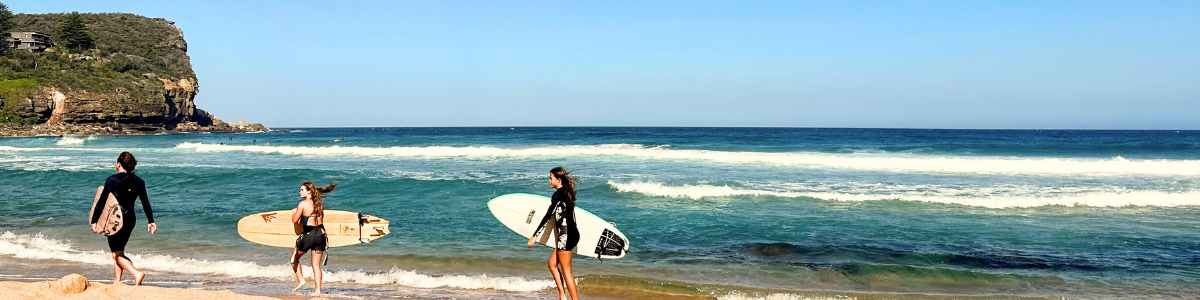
(74, 286)
(710, 213)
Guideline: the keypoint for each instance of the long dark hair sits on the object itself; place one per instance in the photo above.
(318, 196)
(568, 182)
(127, 161)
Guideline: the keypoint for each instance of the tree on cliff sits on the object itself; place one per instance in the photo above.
(6, 24)
(73, 34)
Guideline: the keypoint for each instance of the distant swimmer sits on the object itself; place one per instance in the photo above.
(126, 186)
(562, 211)
(310, 213)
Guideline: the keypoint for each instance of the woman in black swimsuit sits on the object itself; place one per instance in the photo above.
(127, 187)
(310, 213)
(562, 209)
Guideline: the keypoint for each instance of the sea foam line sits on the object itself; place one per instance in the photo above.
(878, 162)
(38, 246)
(778, 296)
(1094, 199)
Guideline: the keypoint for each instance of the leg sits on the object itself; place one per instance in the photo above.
(296, 268)
(127, 264)
(117, 271)
(316, 265)
(564, 259)
(553, 265)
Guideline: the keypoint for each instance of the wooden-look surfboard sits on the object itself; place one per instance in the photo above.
(522, 212)
(344, 228)
(111, 219)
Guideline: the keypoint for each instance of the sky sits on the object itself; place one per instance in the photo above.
(872, 64)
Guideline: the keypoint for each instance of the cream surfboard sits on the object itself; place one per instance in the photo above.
(344, 228)
(522, 212)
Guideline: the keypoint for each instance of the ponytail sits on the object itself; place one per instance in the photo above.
(318, 196)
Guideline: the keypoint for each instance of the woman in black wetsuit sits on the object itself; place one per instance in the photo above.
(127, 187)
(562, 209)
(310, 213)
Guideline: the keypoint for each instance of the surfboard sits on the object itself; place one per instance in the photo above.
(521, 212)
(111, 218)
(344, 228)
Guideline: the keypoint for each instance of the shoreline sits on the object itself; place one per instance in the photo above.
(12, 130)
(75, 286)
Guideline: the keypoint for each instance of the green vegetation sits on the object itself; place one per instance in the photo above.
(124, 61)
(6, 25)
(73, 35)
(13, 91)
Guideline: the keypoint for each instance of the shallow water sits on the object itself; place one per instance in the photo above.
(757, 211)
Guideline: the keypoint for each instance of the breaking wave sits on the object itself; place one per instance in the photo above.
(1094, 197)
(39, 247)
(874, 162)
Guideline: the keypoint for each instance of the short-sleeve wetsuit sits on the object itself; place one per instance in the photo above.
(127, 187)
(562, 208)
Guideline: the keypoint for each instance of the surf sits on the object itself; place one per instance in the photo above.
(1093, 198)
(37, 246)
(867, 162)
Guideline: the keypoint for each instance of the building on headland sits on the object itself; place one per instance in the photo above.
(31, 41)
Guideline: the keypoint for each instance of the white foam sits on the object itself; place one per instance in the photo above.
(48, 163)
(20, 149)
(982, 198)
(778, 296)
(70, 141)
(878, 162)
(39, 247)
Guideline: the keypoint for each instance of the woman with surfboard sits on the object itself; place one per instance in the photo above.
(127, 187)
(310, 213)
(562, 209)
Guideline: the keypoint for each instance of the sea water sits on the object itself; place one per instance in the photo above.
(732, 213)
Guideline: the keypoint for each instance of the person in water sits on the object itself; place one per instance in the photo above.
(562, 209)
(310, 213)
(127, 187)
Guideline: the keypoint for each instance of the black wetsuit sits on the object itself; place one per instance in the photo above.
(562, 208)
(312, 238)
(127, 188)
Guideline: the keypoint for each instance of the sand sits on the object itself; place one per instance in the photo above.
(76, 286)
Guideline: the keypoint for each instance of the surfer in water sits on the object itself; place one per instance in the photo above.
(310, 213)
(127, 187)
(562, 209)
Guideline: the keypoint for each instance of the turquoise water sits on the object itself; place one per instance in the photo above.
(1084, 214)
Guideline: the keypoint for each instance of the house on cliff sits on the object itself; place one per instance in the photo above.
(31, 41)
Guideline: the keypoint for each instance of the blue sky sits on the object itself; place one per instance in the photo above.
(911, 64)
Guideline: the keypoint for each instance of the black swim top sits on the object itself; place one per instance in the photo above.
(565, 208)
(127, 188)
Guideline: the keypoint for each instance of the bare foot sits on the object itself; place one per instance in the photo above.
(137, 278)
(300, 285)
(315, 293)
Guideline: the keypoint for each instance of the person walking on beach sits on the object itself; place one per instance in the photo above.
(310, 213)
(126, 186)
(562, 209)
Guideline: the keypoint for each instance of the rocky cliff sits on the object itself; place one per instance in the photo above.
(138, 77)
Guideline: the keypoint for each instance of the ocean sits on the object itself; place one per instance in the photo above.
(726, 213)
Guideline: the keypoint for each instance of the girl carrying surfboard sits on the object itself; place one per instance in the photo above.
(127, 187)
(562, 209)
(310, 213)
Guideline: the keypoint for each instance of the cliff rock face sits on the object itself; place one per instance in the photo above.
(138, 74)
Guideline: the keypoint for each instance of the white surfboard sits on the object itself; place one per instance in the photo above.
(521, 212)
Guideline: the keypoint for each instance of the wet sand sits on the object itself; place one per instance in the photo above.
(75, 286)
